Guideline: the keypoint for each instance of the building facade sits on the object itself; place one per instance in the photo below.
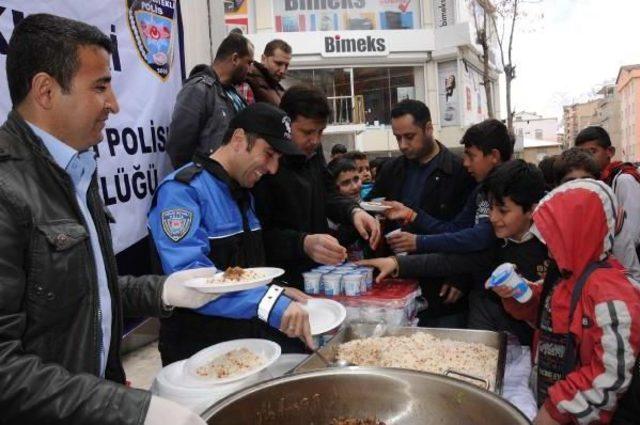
(628, 89)
(367, 55)
(535, 150)
(533, 126)
(576, 117)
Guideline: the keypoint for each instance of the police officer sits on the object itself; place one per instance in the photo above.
(203, 215)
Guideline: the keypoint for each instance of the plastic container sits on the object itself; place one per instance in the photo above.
(332, 284)
(505, 274)
(324, 269)
(369, 276)
(312, 282)
(352, 283)
(391, 234)
(392, 301)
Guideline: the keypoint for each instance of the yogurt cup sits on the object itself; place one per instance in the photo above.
(332, 284)
(505, 274)
(368, 276)
(312, 282)
(391, 234)
(352, 283)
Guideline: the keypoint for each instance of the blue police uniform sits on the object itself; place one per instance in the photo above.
(200, 217)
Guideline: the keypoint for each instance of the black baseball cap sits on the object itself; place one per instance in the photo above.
(270, 123)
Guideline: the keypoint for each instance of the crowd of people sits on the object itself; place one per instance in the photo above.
(251, 187)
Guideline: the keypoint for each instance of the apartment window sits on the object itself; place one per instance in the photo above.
(538, 134)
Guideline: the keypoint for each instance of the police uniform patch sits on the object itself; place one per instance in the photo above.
(176, 223)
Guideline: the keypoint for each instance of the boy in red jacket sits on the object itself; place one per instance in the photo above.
(587, 318)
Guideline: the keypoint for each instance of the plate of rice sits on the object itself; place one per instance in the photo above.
(231, 361)
(235, 279)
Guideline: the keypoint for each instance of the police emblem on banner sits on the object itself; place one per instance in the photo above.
(152, 25)
(176, 223)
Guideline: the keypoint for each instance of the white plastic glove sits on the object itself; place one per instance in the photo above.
(162, 411)
(176, 294)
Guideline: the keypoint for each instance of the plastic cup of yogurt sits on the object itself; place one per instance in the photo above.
(505, 274)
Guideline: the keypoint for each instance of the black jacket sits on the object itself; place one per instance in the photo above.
(443, 196)
(201, 115)
(49, 324)
(530, 257)
(445, 192)
(486, 311)
(295, 202)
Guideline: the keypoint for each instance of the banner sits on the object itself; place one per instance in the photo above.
(147, 73)
(236, 15)
(475, 97)
(337, 15)
(448, 93)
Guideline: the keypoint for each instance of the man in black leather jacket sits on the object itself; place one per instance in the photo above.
(61, 300)
(208, 101)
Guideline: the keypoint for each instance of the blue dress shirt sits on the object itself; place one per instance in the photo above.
(80, 166)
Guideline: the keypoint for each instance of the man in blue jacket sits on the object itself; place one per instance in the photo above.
(203, 215)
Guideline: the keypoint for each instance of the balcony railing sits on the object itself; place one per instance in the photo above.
(346, 109)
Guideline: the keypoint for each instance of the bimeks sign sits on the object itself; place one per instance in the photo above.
(340, 45)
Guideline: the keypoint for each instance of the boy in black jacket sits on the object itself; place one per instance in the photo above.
(513, 189)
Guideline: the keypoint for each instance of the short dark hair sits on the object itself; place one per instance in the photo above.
(341, 165)
(521, 181)
(546, 167)
(307, 101)
(356, 156)
(418, 110)
(575, 159)
(338, 148)
(488, 135)
(594, 132)
(273, 45)
(48, 43)
(251, 138)
(233, 43)
(378, 162)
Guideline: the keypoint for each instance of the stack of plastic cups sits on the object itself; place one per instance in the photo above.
(312, 282)
(332, 284)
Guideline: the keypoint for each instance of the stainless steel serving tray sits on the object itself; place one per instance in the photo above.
(497, 340)
(394, 396)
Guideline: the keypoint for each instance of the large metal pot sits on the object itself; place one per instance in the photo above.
(394, 396)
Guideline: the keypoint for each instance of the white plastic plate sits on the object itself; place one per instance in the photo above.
(324, 315)
(373, 206)
(268, 350)
(265, 276)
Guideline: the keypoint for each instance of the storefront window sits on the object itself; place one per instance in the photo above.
(375, 91)
(334, 15)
